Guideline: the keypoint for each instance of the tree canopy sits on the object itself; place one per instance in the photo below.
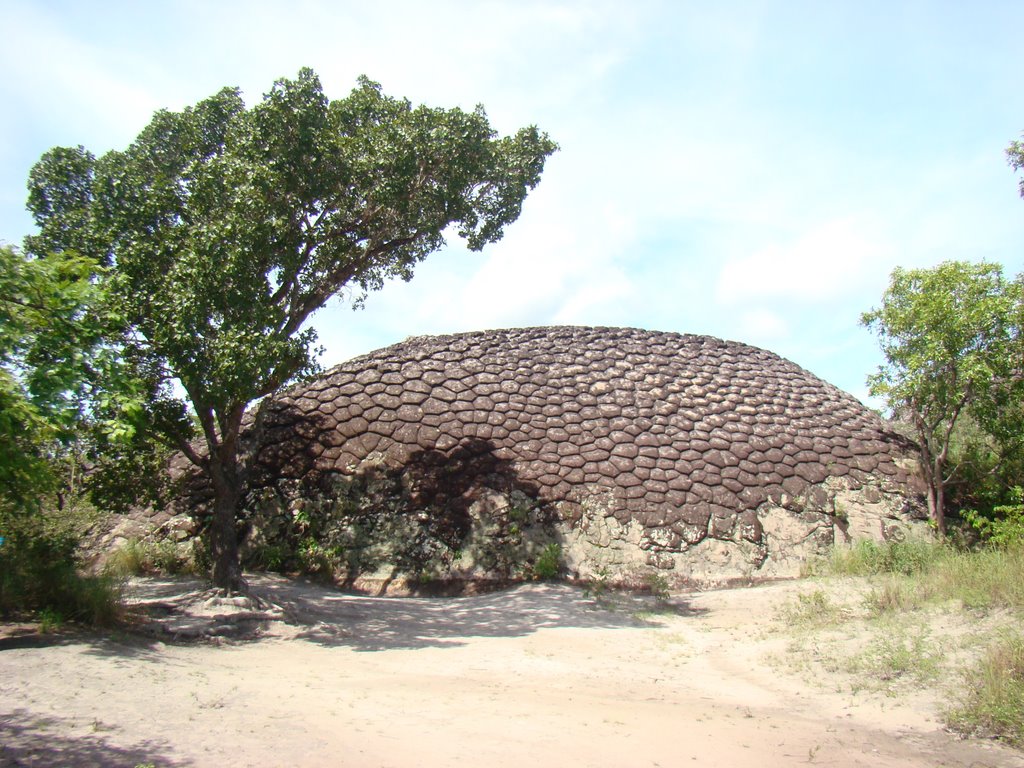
(952, 337)
(224, 228)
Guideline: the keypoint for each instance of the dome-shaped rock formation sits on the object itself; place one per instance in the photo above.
(634, 451)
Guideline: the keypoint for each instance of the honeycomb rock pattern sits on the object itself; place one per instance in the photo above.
(682, 438)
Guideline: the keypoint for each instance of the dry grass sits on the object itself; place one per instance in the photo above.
(930, 616)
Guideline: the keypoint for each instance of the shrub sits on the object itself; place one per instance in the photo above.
(549, 562)
(270, 557)
(657, 585)
(39, 576)
(1006, 525)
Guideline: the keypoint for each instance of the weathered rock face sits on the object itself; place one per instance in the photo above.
(635, 451)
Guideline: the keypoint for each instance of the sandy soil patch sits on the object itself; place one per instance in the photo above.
(539, 675)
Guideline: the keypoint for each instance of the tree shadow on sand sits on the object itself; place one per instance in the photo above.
(378, 624)
(27, 739)
(292, 609)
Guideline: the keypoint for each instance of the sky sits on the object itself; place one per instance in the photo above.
(749, 170)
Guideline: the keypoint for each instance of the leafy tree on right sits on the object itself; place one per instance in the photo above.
(952, 340)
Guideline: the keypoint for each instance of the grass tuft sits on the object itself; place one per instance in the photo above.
(813, 610)
(992, 699)
(138, 558)
(900, 656)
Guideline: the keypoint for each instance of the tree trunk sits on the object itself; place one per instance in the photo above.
(932, 467)
(939, 513)
(227, 569)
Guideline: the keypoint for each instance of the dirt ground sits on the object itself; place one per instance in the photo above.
(539, 675)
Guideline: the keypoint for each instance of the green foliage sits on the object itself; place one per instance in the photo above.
(49, 329)
(270, 557)
(598, 583)
(226, 228)
(359, 525)
(952, 337)
(987, 468)
(317, 560)
(1005, 525)
(1015, 156)
(992, 697)
(549, 562)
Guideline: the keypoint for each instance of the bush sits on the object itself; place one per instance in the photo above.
(39, 577)
(657, 585)
(1005, 527)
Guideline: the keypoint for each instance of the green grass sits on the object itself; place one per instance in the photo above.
(870, 558)
(912, 574)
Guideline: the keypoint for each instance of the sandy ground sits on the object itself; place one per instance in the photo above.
(540, 675)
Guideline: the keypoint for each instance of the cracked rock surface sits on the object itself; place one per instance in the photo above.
(642, 444)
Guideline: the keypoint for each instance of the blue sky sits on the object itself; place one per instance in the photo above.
(750, 170)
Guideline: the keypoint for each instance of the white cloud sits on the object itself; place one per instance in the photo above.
(831, 259)
(723, 170)
(761, 327)
(79, 84)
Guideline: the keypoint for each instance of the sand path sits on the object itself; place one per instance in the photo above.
(540, 675)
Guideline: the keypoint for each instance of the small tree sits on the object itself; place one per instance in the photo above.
(226, 228)
(51, 361)
(951, 336)
(1015, 156)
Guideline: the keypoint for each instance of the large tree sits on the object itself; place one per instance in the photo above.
(951, 336)
(226, 228)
